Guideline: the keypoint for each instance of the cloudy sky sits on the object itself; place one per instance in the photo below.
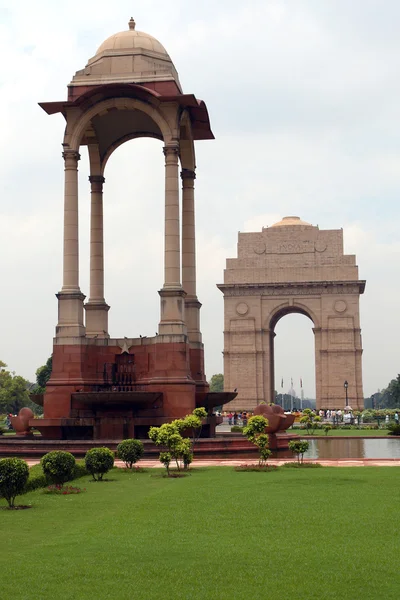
(303, 97)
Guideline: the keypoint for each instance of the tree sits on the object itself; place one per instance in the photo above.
(99, 461)
(170, 436)
(310, 420)
(43, 374)
(386, 398)
(130, 451)
(391, 396)
(217, 383)
(194, 424)
(299, 447)
(14, 473)
(58, 466)
(255, 433)
(13, 391)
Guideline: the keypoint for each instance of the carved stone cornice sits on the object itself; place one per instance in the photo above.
(316, 288)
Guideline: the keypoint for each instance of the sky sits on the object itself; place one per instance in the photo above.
(303, 98)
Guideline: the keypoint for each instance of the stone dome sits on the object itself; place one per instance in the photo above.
(132, 39)
(129, 56)
(289, 221)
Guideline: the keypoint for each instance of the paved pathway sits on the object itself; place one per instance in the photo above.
(229, 462)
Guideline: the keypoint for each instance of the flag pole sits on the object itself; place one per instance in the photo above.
(301, 394)
(291, 395)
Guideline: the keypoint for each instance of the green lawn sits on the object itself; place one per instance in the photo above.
(345, 432)
(328, 533)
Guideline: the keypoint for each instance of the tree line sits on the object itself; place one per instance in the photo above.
(15, 391)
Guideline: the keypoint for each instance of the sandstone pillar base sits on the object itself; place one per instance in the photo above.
(172, 312)
(70, 315)
(97, 319)
(192, 316)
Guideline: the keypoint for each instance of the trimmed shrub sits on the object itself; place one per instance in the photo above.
(99, 461)
(130, 451)
(394, 429)
(236, 429)
(186, 453)
(299, 447)
(165, 459)
(58, 466)
(255, 433)
(172, 437)
(14, 473)
(37, 479)
(80, 470)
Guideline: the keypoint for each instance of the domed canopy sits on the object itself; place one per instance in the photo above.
(129, 57)
(132, 39)
(289, 221)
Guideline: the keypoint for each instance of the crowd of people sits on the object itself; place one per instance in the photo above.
(240, 418)
(335, 417)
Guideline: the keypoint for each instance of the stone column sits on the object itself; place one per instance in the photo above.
(96, 308)
(192, 305)
(172, 277)
(172, 295)
(71, 241)
(96, 240)
(70, 299)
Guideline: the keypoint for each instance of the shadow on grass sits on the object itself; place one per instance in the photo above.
(16, 507)
(295, 465)
(133, 470)
(105, 480)
(172, 475)
(256, 468)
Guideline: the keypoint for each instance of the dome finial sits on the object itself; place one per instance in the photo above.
(132, 23)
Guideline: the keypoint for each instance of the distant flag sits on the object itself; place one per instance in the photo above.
(282, 383)
(291, 381)
(301, 382)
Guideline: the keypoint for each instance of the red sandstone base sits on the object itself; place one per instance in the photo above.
(103, 392)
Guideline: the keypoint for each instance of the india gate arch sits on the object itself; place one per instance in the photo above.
(292, 267)
(100, 386)
(280, 313)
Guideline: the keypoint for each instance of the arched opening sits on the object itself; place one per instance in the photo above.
(133, 204)
(294, 360)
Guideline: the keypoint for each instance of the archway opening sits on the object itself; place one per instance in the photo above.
(133, 202)
(294, 361)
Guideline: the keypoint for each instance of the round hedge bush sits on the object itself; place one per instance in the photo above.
(58, 466)
(14, 473)
(99, 461)
(130, 451)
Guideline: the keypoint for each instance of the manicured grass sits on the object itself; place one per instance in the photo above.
(345, 432)
(326, 533)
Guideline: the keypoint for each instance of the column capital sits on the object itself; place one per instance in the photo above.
(71, 155)
(188, 175)
(171, 152)
(96, 179)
